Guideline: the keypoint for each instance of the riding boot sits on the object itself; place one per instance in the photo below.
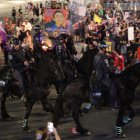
(119, 132)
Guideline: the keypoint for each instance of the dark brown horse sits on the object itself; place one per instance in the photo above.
(78, 91)
(38, 87)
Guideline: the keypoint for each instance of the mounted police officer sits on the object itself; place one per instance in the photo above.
(61, 50)
(19, 61)
(64, 54)
(65, 62)
(103, 73)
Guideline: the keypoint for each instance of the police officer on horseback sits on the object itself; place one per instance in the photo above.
(19, 61)
(64, 55)
(61, 50)
(104, 72)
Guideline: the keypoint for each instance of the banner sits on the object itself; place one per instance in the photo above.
(126, 15)
(81, 11)
(97, 19)
(3, 37)
(109, 46)
(131, 33)
(56, 20)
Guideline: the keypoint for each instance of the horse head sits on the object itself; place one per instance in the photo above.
(6, 74)
(49, 66)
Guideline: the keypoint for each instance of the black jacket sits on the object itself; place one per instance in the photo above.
(17, 58)
(102, 67)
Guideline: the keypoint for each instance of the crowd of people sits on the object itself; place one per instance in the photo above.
(25, 41)
(110, 31)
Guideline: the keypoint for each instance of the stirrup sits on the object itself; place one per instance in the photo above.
(119, 132)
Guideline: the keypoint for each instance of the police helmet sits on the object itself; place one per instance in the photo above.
(37, 28)
(61, 37)
(102, 45)
(16, 41)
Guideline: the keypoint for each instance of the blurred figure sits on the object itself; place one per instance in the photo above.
(14, 12)
(47, 133)
(118, 61)
(27, 24)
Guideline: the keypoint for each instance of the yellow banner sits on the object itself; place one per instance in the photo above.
(97, 19)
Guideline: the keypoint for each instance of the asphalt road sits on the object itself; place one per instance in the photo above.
(100, 122)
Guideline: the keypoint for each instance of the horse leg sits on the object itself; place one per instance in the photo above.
(119, 122)
(29, 106)
(129, 116)
(4, 113)
(75, 115)
(131, 112)
(56, 87)
(47, 106)
(58, 110)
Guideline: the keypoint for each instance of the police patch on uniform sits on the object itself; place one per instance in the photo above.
(2, 83)
(106, 61)
(10, 57)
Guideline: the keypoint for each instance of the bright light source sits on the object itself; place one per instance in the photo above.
(18, 1)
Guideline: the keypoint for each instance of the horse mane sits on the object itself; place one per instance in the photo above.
(3, 70)
(130, 77)
(86, 63)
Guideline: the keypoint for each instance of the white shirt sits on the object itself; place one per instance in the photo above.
(27, 25)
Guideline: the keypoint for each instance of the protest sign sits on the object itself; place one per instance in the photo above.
(131, 33)
(109, 46)
(82, 11)
(126, 15)
(97, 19)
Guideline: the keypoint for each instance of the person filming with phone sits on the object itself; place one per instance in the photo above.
(47, 133)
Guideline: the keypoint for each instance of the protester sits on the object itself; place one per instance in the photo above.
(119, 61)
(47, 133)
(14, 13)
(27, 25)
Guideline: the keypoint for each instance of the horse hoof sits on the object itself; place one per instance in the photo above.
(121, 136)
(84, 132)
(127, 120)
(27, 128)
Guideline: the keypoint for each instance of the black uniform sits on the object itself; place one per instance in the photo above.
(103, 72)
(37, 43)
(17, 59)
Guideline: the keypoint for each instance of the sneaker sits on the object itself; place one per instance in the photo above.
(86, 107)
(74, 131)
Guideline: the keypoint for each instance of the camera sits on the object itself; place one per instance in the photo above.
(50, 127)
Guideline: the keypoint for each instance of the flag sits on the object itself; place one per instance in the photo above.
(96, 18)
